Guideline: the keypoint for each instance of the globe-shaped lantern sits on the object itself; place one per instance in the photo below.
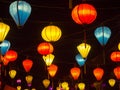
(117, 72)
(115, 56)
(84, 13)
(98, 73)
(75, 72)
(51, 33)
(102, 34)
(45, 48)
(81, 86)
(46, 83)
(112, 82)
(29, 79)
(12, 73)
(119, 46)
(20, 11)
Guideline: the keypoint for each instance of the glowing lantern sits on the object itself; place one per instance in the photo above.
(18, 87)
(102, 34)
(46, 83)
(29, 79)
(52, 69)
(75, 72)
(64, 85)
(51, 33)
(33, 89)
(11, 55)
(81, 61)
(20, 11)
(12, 73)
(4, 29)
(117, 72)
(111, 82)
(115, 56)
(84, 14)
(5, 61)
(84, 49)
(119, 46)
(48, 59)
(45, 48)
(27, 64)
(98, 73)
(81, 86)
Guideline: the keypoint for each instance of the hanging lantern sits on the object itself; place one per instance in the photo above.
(18, 87)
(29, 79)
(84, 49)
(111, 82)
(81, 86)
(45, 48)
(115, 56)
(119, 46)
(75, 72)
(51, 33)
(12, 73)
(5, 45)
(102, 34)
(46, 83)
(48, 59)
(4, 29)
(81, 61)
(20, 11)
(64, 85)
(11, 55)
(98, 73)
(52, 69)
(33, 89)
(27, 64)
(117, 72)
(5, 61)
(84, 14)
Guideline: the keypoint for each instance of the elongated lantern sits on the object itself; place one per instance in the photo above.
(117, 72)
(115, 56)
(102, 34)
(112, 82)
(46, 83)
(29, 79)
(75, 72)
(20, 11)
(12, 73)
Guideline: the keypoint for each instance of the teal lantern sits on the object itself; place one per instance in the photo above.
(102, 34)
(81, 61)
(20, 11)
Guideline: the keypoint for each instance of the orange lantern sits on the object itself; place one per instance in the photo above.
(45, 48)
(75, 72)
(46, 82)
(115, 56)
(52, 69)
(29, 79)
(98, 73)
(117, 72)
(27, 64)
(84, 13)
(11, 55)
(5, 61)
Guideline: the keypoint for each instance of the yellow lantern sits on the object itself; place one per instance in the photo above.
(64, 85)
(81, 86)
(51, 33)
(84, 49)
(29, 79)
(48, 59)
(18, 87)
(111, 82)
(12, 73)
(119, 46)
(46, 82)
(4, 29)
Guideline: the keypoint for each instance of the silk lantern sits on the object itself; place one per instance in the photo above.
(81, 86)
(64, 85)
(84, 49)
(29, 79)
(20, 11)
(111, 82)
(98, 73)
(27, 64)
(4, 29)
(46, 83)
(84, 13)
(12, 73)
(51, 33)
(117, 72)
(115, 56)
(45, 48)
(119, 46)
(75, 72)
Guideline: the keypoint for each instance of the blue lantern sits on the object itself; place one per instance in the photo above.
(5, 45)
(102, 34)
(20, 11)
(81, 61)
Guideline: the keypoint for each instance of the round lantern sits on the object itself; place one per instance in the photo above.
(115, 56)
(46, 83)
(84, 14)
(12, 73)
(84, 49)
(119, 46)
(29, 79)
(111, 82)
(45, 48)
(102, 34)
(20, 11)
(64, 85)
(81, 86)
(117, 72)
(51, 33)
(75, 72)
(98, 73)
(27, 64)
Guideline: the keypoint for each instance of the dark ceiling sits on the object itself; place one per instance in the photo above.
(26, 40)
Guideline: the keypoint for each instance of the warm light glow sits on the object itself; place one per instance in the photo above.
(18, 87)
(115, 56)
(117, 72)
(12, 73)
(46, 83)
(111, 82)
(75, 72)
(29, 79)
(119, 46)
(81, 86)
(65, 85)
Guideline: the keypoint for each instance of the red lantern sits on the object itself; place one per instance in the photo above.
(84, 14)
(11, 55)
(115, 56)
(117, 72)
(75, 72)
(27, 64)
(45, 48)
(98, 73)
